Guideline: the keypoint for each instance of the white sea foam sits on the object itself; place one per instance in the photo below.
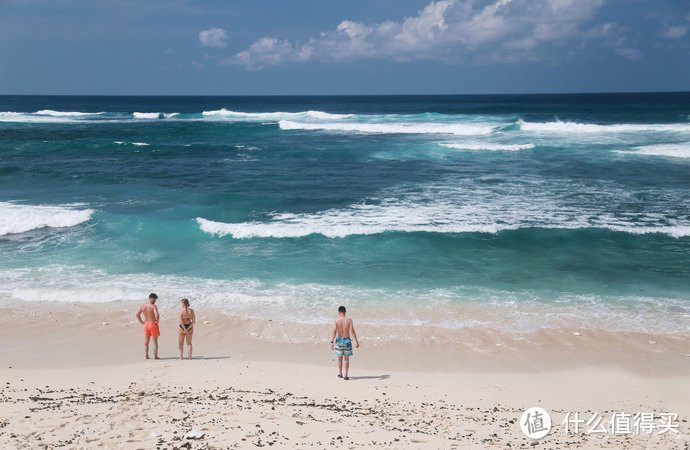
(46, 116)
(9, 116)
(273, 116)
(225, 113)
(50, 112)
(675, 231)
(138, 144)
(312, 303)
(330, 225)
(490, 146)
(148, 115)
(17, 218)
(575, 127)
(463, 206)
(670, 150)
(327, 116)
(392, 128)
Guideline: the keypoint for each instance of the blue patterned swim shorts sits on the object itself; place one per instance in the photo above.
(343, 347)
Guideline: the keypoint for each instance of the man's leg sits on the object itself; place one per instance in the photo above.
(347, 367)
(340, 366)
(146, 345)
(155, 347)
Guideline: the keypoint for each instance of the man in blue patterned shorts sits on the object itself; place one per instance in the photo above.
(341, 342)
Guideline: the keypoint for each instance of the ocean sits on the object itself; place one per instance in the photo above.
(515, 212)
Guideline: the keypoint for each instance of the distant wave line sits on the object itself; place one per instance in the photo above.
(248, 230)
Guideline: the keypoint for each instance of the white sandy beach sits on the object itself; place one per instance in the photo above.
(73, 376)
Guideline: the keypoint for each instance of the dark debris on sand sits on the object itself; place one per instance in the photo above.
(160, 418)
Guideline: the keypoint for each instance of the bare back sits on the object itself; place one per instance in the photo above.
(187, 315)
(150, 312)
(343, 325)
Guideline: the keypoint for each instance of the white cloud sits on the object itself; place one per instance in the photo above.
(674, 32)
(445, 30)
(630, 53)
(266, 50)
(213, 37)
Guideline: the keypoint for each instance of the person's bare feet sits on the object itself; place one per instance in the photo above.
(147, 357)
(156, 357)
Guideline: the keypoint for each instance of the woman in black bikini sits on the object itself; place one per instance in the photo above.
(187, 320)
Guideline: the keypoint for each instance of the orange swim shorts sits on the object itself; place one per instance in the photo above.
(151, 329)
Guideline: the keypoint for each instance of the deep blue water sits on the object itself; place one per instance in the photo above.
(574, 204)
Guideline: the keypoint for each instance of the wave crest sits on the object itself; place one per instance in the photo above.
(669, 150)
(273, 116)
(15, 218)
(390, 128)
(560, 126)
(17, 117)
(50, 112)
(148, 115)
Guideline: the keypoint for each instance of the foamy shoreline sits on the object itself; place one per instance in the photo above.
(480, 347)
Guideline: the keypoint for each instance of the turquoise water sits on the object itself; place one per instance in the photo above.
(547, 209)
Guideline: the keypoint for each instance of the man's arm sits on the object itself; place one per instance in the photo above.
(158, 316)
(354, 334)
(335, 330)
(141, 309)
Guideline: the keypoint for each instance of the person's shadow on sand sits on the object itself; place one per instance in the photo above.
(371, 377)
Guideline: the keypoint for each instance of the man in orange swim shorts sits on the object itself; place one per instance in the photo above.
(151, 317)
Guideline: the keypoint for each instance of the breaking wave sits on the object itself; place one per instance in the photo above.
(669, 150)
(464, 209)
(391, 128)
(16, 218)
(153, 115)
(559, 126)
(50, 112)
(273, 116)
(294, 227)
(9, 116)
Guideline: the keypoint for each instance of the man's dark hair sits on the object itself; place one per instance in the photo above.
(152, 295)
(341, 309)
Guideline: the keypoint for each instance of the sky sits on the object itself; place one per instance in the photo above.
(321, 47)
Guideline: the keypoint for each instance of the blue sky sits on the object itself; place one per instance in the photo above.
(342, 47)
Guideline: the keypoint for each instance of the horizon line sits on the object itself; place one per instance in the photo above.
(349, 95)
